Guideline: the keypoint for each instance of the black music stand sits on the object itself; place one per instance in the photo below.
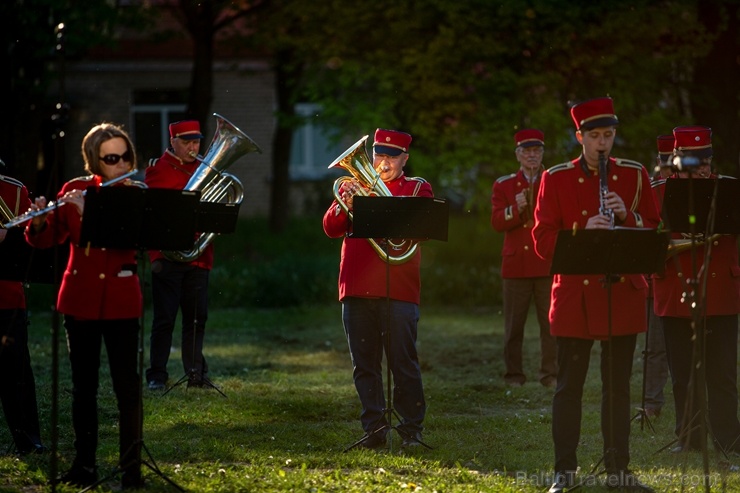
(708, 206)
(132, 218)
(610, 252)
(420, 218)
(681, 194)
(211, 217)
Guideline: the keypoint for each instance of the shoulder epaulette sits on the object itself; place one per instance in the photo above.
(153, 161)
(505, 177)
(657, 183)
(10, 180)
(628, 163)
(561, 167)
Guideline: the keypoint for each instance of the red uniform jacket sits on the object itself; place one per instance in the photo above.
(362, 273)
(569, 195)
(98, 283)
(16, 198)
(170, 172)
(722, 277)
(518, 258)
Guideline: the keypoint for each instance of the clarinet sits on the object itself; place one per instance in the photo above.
(604, 189)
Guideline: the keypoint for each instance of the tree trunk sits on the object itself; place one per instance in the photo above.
(285, 80)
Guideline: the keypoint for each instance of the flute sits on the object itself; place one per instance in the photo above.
(27, 216)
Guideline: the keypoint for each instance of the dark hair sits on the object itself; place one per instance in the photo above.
(91, 143)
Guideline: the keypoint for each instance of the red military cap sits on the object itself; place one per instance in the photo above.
(391, 142)
(594, 113)
(186, 130)
(529, 137)
(695, 140)
(665, 149)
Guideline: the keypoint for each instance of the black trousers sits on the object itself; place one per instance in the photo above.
(84, 341)
(178, 287)
(573, 361)
(721, 379)
(17, 384)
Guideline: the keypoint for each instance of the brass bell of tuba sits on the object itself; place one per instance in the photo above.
(358, 163)
(228, 144)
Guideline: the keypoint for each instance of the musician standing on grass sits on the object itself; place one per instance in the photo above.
(178, 286)
(570, 199)
(718, 318)
(363, 293)
(100, 298)
(525, 275)
(17, 384)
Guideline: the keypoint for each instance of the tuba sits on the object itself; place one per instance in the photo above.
(228, 144)
(358, 163)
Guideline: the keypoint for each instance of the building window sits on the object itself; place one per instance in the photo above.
(151, 114)
(312, 151)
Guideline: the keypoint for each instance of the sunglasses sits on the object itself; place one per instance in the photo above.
(112, 159)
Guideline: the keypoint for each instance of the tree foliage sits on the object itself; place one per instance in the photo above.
(463, 76)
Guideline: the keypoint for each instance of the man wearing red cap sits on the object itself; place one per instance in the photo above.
(177, 285)
(570, 199)
(364, 278)
(18, 387)
(524, 274)
(717, 322)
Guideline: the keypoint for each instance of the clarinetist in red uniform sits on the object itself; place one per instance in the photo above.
(571, 198)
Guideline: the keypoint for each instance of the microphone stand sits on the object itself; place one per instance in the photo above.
(58, 136)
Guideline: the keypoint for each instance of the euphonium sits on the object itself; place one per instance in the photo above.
(228, 144)
(358, 163)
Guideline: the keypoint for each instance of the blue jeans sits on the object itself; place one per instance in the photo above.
(365, 322)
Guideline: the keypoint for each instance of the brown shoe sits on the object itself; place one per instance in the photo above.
(652, 412)
(549, 382)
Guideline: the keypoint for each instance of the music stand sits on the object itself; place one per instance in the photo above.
(677, 210)
(610, 252)
(211, 217)
(132, 218)
(711, 208)
(420, 218)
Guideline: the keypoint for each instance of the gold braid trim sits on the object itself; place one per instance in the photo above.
(638, 192)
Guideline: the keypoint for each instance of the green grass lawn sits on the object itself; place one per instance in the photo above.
(291, 410)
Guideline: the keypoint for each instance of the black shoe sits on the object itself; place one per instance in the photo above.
(156, 385)
(626, 481)
(32, 448)
(373, 441)
(80, 476)
(411, 440)
(563, 481)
